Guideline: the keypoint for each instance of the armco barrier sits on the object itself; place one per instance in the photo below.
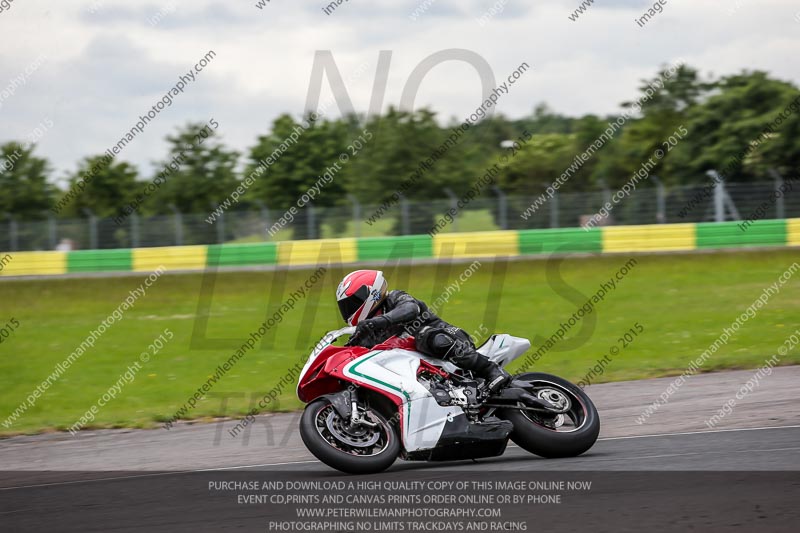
(386, 249)
(229, 255)
(729, 234)
(666, 237)
(539, 241)
(99, 261)
(34, 263)
(653, 238)
(793, 232)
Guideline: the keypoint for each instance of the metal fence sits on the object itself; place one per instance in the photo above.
(653, 205)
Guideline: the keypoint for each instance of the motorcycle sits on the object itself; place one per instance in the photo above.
(367, 407)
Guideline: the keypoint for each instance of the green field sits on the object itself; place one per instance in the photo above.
(682, 302)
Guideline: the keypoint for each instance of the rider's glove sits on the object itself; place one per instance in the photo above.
(370, 325)
(373, 324)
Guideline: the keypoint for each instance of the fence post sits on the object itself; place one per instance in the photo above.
(92, 228)
(606, 194)
(264, 210)
(12, 232)
(52, 231)
(178, 225)
(780, 207)
(502, 206)
(405, 223)
(134, 230)
(453, 206)
(719, 196)
(312, 219)
(554, 210)
(661, 200)
(719, 205)
(356, 215)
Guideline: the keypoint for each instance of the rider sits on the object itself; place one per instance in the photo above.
(378, 314)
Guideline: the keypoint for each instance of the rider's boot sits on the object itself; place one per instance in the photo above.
(496, 378)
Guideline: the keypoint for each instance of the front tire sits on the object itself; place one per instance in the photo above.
(571, 435)
(360, 450)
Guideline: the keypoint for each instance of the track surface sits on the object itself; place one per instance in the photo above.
(669, 473)
(274, 439)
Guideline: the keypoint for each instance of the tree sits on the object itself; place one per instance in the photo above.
(673, 92)
(666, 100)
(23, 182)
(534, 167)
(199, 171)
(111, 188)
(746, 127)
(481, 146)
(545, 120)
(538, 163)
(105, 189)
(24, 193)
(305, 168)
(411, 154)
(198, 174)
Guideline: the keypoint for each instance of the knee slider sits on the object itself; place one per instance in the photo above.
(442, 342)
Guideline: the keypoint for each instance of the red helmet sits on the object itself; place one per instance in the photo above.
(360, 294)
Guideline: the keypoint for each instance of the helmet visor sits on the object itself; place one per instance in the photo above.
(348, 306)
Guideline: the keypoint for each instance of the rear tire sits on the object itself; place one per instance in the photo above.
(548, 442)
(319, 416)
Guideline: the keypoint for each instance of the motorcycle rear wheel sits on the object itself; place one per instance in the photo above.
(566, 435)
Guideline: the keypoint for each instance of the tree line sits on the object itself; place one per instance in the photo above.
(745, 123)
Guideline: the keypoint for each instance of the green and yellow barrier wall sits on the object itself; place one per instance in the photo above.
(651, 238)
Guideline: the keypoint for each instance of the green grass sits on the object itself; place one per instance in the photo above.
(682, 301)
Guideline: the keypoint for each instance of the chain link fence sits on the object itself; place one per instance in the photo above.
(495, 210)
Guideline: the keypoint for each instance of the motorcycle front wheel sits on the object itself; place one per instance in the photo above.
(564, 435)
(364, 449)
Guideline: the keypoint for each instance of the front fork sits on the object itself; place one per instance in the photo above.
(356, 418)
(346, 405)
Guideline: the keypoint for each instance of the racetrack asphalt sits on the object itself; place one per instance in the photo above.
(274, 440)
(671, 472)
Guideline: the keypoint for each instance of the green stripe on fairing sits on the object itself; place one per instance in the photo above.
(100, 260)
(540, 241)
(363, 359)
(730, 234)
(265, 253)
(403, 247)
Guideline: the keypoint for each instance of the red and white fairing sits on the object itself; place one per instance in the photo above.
(391, 369)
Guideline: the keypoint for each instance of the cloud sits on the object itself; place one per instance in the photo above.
(106, 67)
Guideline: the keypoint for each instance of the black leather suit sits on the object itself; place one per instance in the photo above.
(434, 337)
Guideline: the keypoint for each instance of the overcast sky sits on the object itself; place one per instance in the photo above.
(104, 62)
